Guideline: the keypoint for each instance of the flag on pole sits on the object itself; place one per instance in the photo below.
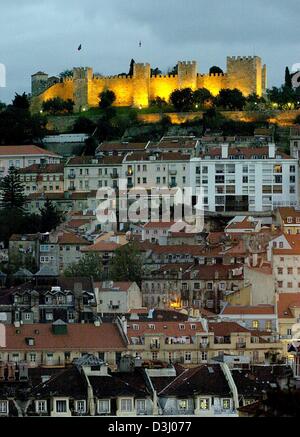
(79, 48)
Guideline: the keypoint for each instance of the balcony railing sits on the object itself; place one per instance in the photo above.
(71, 176)
(155, 346)
(114, 175)
(241, 345)
(173, 185)
(204, 345)
(173, 172)
(72, 189)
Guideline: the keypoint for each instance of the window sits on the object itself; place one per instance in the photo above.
(280, 271)
(183, 404)
(290, 285)
(226, 404)
(204, 356)
(41, 406)
(188, 357)
(80, 407)
(27, 316)
(280, 284)
(103, 406)
(203, 404)
(290, 270)
(32, 358)
(255, 324)
(141, 405)
(61, 406)
(126, 405)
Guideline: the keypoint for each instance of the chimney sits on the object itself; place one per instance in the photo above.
(272, 150)
(225, 148)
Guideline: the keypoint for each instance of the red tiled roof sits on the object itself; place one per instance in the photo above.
(170, 329)
(224, 329)
(259, 309)
(215, 272)
(245, 224)
(158, 225)
(71, 238)
(112, 147)
(291, 213)
(77, 223)
(115, 286)
(294, 242)
(286, 301)
(43, 169)
(79, 337)
(25, 150)
(103, 246)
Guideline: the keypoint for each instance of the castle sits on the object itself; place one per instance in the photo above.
(248, 74)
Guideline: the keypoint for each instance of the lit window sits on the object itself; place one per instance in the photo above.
(204, 404)
(226, 404)
(255, 324)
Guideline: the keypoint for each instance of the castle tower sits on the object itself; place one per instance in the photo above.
(141, 78)
(246, 74)
(82, 77)
(187, 75)
(39, 83)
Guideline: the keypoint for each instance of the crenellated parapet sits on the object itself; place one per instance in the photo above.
(247, 73)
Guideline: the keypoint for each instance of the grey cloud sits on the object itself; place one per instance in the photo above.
(44, 35)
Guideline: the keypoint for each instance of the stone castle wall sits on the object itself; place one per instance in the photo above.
(245, 73)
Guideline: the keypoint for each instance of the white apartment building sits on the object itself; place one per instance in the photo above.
(24, 156)
(162, 170)
(246, 179)
(284, 252)
(88, 173)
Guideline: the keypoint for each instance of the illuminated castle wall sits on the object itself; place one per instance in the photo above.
(248, 74)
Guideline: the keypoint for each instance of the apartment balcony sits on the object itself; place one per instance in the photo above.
(114, 175)
(155, 347)
(173, 185)
(72, 188)
(129, 185)
(114, 307)
(71, 176)
(204, 346)
(241, 345)
(173, 172)
(129, 173)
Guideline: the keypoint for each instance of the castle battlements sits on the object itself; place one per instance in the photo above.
(242, 58)
(246, 73)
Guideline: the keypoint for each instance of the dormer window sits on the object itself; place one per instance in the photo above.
(290, 220)
(182, 327)
(135, 327)
(152, 327)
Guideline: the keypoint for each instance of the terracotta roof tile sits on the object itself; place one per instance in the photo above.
(71, 238)
(286, 301)
(25, 150)
(85, 337)
(259, 309)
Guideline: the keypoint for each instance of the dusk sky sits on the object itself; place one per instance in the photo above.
(44, 35)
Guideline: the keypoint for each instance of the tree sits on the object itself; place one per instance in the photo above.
(91, 145)
(107, 98)
(173, 70)
(65, 74)
(201, 96)
(58, 105)
(131, 68)
(215, 70)
(283, 97)
(12, 191)
(90, 265)
(231, 99)
(84, 125)
(182, 100)
(127, 264)
(21, 101)
(288, 78)
(50, 217)
(2, 106)
(155, 71)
